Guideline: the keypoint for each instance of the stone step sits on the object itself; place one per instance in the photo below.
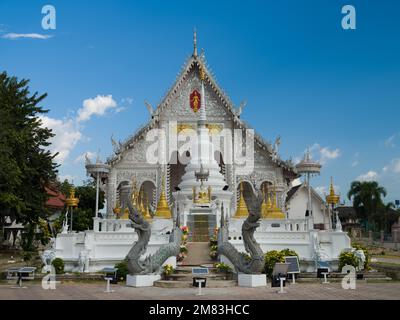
(189, 277)
(198, 254)
(189, 284)
(188, 269)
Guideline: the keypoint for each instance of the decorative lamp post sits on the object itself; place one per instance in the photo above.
(309, 168)
(72, 202)
(332, 200)
(97, 171)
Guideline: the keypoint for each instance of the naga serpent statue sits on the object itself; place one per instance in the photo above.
(241, 262)
(152, 263)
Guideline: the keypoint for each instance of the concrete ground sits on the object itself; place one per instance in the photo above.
(95, 291)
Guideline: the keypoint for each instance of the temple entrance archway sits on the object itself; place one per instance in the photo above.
(147, 194)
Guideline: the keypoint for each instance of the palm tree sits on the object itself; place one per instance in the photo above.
(366, 197)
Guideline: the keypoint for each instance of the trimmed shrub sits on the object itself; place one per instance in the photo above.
(348, 258)
(223, 267)
(58, 265)
(122, 270)
(272, 257)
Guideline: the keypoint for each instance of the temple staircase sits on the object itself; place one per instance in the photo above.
(183, 278)
(198, 256)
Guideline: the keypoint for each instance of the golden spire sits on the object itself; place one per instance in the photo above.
(332, 199)
(241, 210)
(163, 211)
(273, 211)
(147, 214)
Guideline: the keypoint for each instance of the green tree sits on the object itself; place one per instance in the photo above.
(367, 198)
(26, 165)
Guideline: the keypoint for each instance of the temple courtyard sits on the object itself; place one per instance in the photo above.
(303, 291)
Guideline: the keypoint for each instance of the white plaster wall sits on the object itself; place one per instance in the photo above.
(298, 207)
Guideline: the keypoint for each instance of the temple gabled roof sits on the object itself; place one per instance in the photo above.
(191, 62)
(293, 191)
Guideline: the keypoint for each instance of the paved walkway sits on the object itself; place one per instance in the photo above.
(95, 291)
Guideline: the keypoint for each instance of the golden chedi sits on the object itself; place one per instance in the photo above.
(163, 211)
(332, 199)
(273, 211)
(147, 214)
(241, 210)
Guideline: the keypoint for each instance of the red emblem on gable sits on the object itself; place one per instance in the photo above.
(195, 100)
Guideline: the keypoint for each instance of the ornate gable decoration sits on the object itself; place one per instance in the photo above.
(195, 100)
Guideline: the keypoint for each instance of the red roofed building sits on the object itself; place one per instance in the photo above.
(56, 200)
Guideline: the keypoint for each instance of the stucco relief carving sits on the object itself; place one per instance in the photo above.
(179, 106)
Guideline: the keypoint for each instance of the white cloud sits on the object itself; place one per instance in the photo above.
(325, 153)
(356, 161)
(66, 177)
(95, 106)
(66, 136)
(321, 190)
(81, 158)
(68, 131)
(393, 167)
(369, 176)
(14, 36)
(390, 142)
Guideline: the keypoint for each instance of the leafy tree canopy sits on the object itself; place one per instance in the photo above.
(26, 165)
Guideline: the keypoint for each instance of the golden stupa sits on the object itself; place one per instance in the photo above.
(163, 211)
(146, 211)
(273, 211)
(241, 210)
(332, 199)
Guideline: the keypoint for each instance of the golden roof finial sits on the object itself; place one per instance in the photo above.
(72, 201)
(194, 42)
(241, 210)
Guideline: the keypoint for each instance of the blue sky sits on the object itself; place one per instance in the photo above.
(303, 77)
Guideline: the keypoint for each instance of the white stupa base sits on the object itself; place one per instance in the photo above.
(252, 280)
(141, 280)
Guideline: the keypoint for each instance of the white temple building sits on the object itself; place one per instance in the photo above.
(195, 179)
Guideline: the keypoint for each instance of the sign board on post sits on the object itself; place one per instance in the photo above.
(294, 267)
(199, 281)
